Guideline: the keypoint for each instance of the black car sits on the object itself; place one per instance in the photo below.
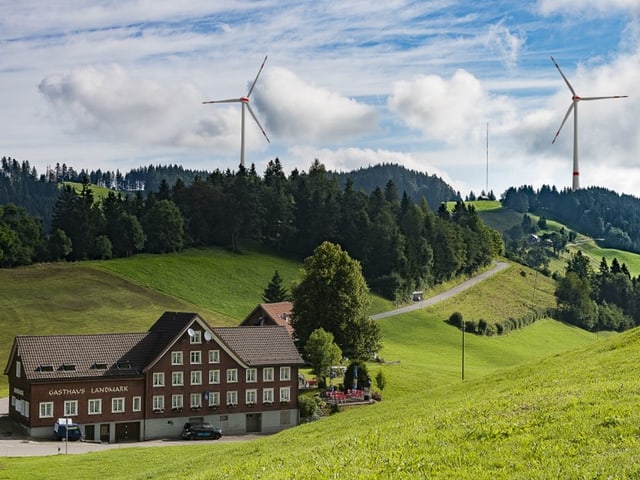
(201, 431)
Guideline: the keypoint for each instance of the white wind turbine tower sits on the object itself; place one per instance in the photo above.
(574, 106)
(245, 104)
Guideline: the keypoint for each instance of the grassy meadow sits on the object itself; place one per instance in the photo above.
(546, 401)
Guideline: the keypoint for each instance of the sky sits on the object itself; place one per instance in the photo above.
(464, 90)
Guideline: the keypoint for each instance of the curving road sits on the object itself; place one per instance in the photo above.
(498, 266)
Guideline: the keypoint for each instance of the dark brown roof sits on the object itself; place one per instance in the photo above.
(255, 346)
(80, 356)
(128, 354)
(279, 313)
(172, 323)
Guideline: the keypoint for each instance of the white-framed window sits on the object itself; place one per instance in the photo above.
(195, 357)
(285, 394)
(95, 406)
(18, 368)
(158, 402)
(196, 400)
(232, 397)
(117, 405)
(252, 375)
(251, 396)
(176, 358)
(177, 379)
(158, 379)
(267, 374)
(232, 375)
(176, 401)
(214, 377)
(267, 395)
(70, 408)
(196, 377)
(214, 399)
(46, 409)
(285, 374)
(214, 356)
(196, 337)
(137, 404)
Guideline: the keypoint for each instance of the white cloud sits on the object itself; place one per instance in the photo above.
(296, 110)
(451, 110)
(507, 44)
(107, 102)
(574, 7)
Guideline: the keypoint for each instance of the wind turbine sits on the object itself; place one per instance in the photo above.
(574, 106)
(245, 104)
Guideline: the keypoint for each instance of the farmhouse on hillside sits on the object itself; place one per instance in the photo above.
(271, 314)
(140, 386)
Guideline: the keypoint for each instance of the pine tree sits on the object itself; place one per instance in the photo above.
(275, 292)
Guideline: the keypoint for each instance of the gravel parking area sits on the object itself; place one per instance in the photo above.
(13, 443)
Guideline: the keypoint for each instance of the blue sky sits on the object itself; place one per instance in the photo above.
(118, 85)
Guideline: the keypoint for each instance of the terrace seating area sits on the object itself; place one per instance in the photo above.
(350, 396)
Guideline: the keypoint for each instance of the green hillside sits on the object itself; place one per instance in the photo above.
(500, 219)
(429, 424)
(230, 284)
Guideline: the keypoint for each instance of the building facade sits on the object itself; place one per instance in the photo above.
(141, 386)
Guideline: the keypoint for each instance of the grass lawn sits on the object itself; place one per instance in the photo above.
(512, 292)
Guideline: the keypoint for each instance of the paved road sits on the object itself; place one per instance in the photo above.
(498, 266)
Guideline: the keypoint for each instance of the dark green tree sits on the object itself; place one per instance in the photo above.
(574, 301)
(164, 227)
(332, 294)
(275, 291)
(59, 245)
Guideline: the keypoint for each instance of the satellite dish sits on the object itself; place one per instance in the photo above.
(191, 332)
(207, 335)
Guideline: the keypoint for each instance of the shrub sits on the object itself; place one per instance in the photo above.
(455, 319)
(381, 381)
(307, 406)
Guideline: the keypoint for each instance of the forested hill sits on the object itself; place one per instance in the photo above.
(612, 219)
(415, 184)
(19, 184)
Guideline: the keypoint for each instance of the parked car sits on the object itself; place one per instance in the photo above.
(64, 428)
(201, 431)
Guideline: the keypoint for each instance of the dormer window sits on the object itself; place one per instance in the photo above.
(99, 366)
(45, 368)
(123, 365)
(67, 367)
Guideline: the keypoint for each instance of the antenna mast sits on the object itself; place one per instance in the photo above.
(487, 186)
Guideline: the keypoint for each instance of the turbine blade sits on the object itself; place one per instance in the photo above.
(563, 121)
(229, 100)
(259, 72)
(256, 119)
(604, 98)
(565, 78)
